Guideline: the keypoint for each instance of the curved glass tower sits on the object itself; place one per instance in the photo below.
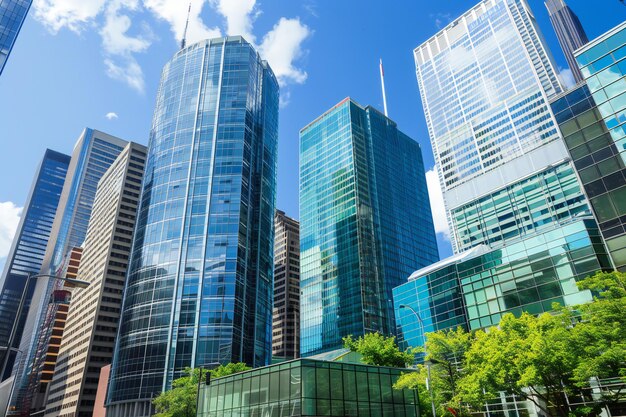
(199, 287)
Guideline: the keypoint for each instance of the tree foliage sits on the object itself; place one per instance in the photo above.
(539, 358)
(445, 351)
(527, 356)
(377, 349)
(181, 400)
(229, 369)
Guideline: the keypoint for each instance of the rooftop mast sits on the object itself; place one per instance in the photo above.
(183, 42)
(382, 83)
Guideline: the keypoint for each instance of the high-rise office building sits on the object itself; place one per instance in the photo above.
(93, 314)
(365, 223)
(199, 288)
(93, 154)
(569, 32)
(32, 400)
(12, 16)
(485, 81)
(521, 223)
(29, 246)
(286, 317)
(597, 137)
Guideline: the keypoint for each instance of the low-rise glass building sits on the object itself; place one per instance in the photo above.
(308, 387)
(476, 288)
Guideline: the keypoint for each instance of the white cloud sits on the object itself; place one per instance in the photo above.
(311, 8)
(436, 203)
(111, 115)
(120, 47)
(128, 71)
(284, 99)
(9, 219)
(440, 19)
(175, 13)
(282, 46)
(239, 17)
(73, 14)
(121, 42)
(567, 78)
(115, 38)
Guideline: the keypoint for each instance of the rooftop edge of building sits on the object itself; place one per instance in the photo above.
(594, 42)
(455, 22)
(227, 39)
(483, 249)
(342, 102)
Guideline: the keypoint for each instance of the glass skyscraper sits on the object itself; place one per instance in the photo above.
(29, 245)
(474, 289)
(199, 288)
(569, 32)
(365, 223)
(602, 156)
(93, 154)
(12, 16)
(521, 224)
(485, 81)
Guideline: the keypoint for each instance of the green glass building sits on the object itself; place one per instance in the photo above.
(476, 288)
(596, 138)
(523, 207)
(365, 220)
(307, 387)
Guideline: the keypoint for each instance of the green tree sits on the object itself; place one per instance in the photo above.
(379, 350)
(445, 351)
(181, 400)
(528, 356)
(229, 369)
(539, 358)
(545, 358)
(599, 336)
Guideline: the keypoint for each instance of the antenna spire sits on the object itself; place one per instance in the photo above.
(382, 83)
(183, 42)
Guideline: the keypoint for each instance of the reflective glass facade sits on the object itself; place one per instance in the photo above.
(93, 154)
(603, 64)
(484, 98)
(30, 241)
(365, 223)
(485, 81)
(475, 289)
(309, 388)
(600, 166)
(569, 32)
(199, 288)
(527, 206)
(12, 16)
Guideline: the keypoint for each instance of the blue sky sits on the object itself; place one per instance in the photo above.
(77, 61)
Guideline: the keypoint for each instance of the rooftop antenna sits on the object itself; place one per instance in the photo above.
(183, 42)
(382, 83)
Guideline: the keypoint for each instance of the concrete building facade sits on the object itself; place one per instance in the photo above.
(94, 312)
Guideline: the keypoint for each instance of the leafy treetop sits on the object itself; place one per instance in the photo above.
(379, 350)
